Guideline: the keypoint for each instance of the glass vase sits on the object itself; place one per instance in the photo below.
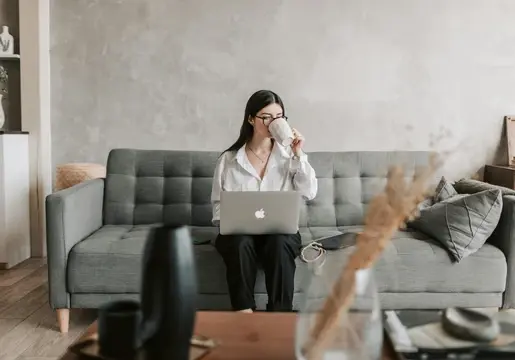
(358, 333)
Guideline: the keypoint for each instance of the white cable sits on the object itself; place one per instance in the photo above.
(322, 253)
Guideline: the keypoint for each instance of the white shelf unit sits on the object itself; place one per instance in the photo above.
(14, 199)
(10, 57)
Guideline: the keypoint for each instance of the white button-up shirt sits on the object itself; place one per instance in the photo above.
(234, 172)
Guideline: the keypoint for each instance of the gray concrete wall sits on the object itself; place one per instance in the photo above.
(355, 74)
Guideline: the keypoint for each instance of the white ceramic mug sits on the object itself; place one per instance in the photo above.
(281, 132)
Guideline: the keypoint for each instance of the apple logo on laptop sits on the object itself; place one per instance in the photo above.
(260, 214)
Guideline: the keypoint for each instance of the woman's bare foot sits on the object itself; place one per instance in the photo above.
(247, 311)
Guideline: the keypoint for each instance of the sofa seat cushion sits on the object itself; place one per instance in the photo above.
(423, 265)
(109, 260)
(414, 262)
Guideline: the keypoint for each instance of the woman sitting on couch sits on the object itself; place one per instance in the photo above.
(255, 162)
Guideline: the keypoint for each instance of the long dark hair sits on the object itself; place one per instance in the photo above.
(256, 102)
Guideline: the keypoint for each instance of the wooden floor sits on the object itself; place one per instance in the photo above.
(28, 327)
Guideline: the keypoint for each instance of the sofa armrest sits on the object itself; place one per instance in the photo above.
(71, 215)
(504, 238)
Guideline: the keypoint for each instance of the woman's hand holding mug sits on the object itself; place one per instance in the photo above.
(286, 135)
(298, 142)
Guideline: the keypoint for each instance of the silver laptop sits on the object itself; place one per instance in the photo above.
(259, 212)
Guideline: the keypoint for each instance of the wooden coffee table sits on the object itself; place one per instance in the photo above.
(245, 336)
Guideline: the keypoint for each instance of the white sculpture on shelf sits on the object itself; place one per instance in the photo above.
(2, 113)
(4, 78)
(6, 42)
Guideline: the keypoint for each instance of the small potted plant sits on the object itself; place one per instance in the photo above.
(4, 77)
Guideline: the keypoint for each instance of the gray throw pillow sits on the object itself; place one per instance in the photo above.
(462, 223)
(469, 186)
(444, 190)
(425, 204)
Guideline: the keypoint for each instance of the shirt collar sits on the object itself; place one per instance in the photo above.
(240, 155)
(241, 158)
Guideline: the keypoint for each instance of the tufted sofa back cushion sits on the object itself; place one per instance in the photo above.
(347, 182)
(159, 186)
(174, 187)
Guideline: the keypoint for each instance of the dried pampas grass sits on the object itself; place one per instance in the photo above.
(387, 212)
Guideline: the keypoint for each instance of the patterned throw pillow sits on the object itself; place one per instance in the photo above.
(461, 222)
(444, 190)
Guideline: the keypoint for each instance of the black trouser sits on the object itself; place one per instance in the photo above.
(276, 253)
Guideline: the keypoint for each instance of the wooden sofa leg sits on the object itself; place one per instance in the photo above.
(63, 320)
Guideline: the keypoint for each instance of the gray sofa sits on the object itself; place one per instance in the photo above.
(96, 232)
